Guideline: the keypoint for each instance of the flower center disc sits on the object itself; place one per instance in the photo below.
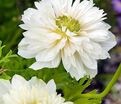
(70, 23)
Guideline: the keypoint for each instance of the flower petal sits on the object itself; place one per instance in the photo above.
(48, 64)
(87, 60)
(37, 82)
(110, 43)
(24, 51)
(19, 82)
(51, 86)
(27, 15)
(99, 35)
(74, 65)
(4, 87)
(50, 53)
(91, 72)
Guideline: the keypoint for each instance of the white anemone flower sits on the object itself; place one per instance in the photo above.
(73, 32)
(34, 91)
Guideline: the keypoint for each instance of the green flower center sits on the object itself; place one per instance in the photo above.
(70, 23)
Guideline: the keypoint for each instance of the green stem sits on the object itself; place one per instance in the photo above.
(108, 88)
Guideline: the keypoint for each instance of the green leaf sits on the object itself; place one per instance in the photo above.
(6, 58)
(87, 100)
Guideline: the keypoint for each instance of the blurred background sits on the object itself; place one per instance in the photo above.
(11, 34)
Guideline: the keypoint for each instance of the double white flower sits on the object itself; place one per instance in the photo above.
(62, 30)
(34, 91)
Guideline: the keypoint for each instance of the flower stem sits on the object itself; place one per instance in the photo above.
(108, 88)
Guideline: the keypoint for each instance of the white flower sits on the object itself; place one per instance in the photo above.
(34, 91)
(72, 32)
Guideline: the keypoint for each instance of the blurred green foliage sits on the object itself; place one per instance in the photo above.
(9, 21)
(10, 16)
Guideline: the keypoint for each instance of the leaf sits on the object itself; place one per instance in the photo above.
(82, 100)
(7, 57)
(88, 101)
(5, 76)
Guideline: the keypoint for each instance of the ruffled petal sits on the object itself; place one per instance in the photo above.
(99, 35)
(50, 53)
(73, 65)
(51, 86)
(19, 82)
(4, 87)
(110, 43)
(88, 60)
(37, 82)
(47, 64)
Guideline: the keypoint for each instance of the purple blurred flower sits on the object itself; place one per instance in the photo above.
(117, 5)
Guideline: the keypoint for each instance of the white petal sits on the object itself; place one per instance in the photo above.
(68, 102)
(26, 54)
(80, 9)
(91, 72)
(24, 51)
(87, 60)
(76, 3)
(74, 65)
(37, 82)
(69, 49)
(32, 44)
(51, 53)
(95, 51)
(69, 68)
(41, 21)
(46, 8)
(18, 82)
(74, 73)
(97, 26)
(99, 35)
(92, 16)
(41, 35)
(1, 100)
(61, 7)
(24, 26)
(110, 43)
(27, 15)
(51, 86)
(4, 87)
(48, 64)
(43, 18)
(56, 5)
(68, 4)
(79, 40)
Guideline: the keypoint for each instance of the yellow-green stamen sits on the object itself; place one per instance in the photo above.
(70, 23)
